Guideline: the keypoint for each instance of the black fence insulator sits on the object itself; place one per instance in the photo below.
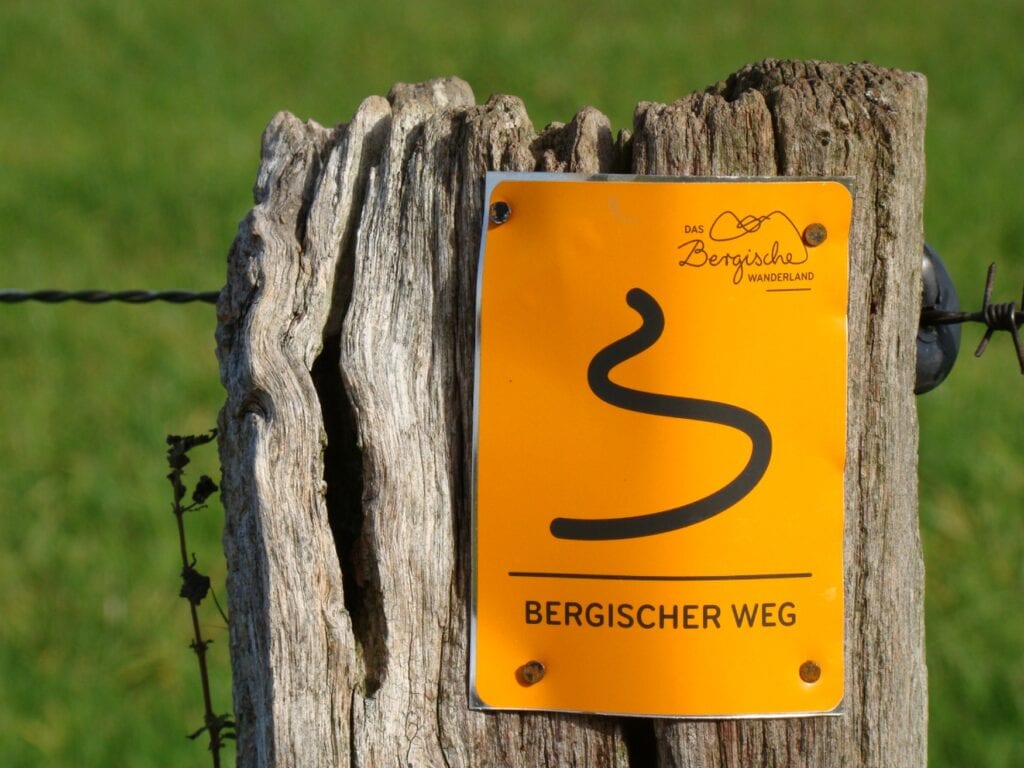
(101, 297)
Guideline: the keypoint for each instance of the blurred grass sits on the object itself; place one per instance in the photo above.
(129, 137)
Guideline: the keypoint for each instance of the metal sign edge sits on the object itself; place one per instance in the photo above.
(491, 180)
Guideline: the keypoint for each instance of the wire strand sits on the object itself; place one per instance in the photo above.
(101, 297)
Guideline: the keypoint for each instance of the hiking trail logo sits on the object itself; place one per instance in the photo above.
(654, 404)
(762, 249)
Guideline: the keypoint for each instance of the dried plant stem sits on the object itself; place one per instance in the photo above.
(195, 586)
(199, 645)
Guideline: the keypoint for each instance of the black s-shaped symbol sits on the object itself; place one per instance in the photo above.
(665, 405)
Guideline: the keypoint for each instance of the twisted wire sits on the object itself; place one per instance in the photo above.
(1001, 317)
(101, 297)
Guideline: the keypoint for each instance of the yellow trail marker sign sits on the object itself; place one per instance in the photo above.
(659, 442)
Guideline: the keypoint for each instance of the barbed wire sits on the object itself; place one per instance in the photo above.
(101, 297)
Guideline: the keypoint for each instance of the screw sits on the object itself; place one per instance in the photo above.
(815, 234)
(530, 673)
(810, 672)
(500, 212)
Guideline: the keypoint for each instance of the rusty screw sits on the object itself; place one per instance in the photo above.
(500, 212)
(810, 672)
(815, 234)
(530, 673)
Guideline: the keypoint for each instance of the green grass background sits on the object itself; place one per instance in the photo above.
(129, 135)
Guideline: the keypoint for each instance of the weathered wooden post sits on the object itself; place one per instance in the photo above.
(346, 347)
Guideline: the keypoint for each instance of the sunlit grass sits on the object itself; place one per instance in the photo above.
(128, 146)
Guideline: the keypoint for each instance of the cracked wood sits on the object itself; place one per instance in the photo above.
(346, 331)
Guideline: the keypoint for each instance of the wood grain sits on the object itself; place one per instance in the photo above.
(346, 339)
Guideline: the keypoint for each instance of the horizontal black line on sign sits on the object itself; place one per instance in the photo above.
(785, 290)
(643, 577)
